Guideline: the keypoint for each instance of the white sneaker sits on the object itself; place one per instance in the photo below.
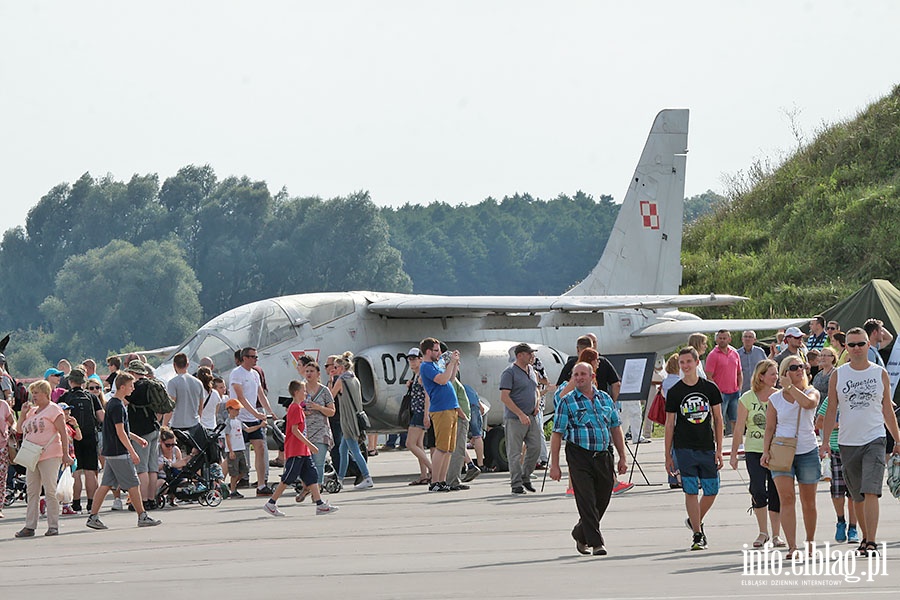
(271, 509)
(326, 509)
(364, 484)
(117, 504)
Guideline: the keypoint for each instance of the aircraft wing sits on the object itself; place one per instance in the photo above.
(688, 327)
(417, 306)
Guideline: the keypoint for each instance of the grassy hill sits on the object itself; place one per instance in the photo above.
(810, 232)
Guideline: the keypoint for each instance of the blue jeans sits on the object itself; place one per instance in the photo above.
(319, 461)
(393, 438)
(729, 406)
(351, 447)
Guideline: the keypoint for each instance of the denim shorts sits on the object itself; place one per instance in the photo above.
(807, 468)
(476, 423)
(417, 419)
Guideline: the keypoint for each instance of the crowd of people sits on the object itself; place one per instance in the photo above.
(772, 405)
(810, 403)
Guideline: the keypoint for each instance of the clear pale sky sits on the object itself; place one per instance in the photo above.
(421, 101)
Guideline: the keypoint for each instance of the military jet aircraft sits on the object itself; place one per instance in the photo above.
(630, 301)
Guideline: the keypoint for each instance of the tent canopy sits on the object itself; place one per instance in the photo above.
(877, 299)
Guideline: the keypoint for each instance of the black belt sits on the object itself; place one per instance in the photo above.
(593, 453)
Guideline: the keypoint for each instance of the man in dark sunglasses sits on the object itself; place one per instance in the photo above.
(862, 391)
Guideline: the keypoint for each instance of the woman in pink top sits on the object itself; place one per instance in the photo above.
(6, 423)
(43, 423)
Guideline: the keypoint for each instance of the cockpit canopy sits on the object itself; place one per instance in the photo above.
(263, 324)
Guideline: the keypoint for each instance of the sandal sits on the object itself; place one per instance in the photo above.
(871, 549)
(777, 542)
(421, 481)
(25, 532)
(861, 549)
(761, 540)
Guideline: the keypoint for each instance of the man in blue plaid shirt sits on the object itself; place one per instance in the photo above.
(589, 422)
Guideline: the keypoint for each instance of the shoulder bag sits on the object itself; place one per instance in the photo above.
(11, 447)
(405, 406)
(782, 449)
(362, 419)
(28, 455)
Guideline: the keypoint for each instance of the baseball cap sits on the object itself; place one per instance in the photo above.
(51, 372)
(414, 352)
(233, 403)
(793, 332)
(523, 348)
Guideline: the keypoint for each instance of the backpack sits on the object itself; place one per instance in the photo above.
(20, 394)
(160, 402)
(82, 404)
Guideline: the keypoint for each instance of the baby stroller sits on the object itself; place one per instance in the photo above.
(199, 478)
(330, 483)
(16, 489)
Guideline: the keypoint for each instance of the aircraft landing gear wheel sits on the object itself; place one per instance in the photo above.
(495, 449)
(213, 498)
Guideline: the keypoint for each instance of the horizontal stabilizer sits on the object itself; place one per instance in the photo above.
(687, 327)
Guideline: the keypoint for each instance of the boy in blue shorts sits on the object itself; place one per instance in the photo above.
(694, 429)
(298, 451)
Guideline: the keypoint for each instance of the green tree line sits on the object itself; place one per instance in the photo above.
(104, 266)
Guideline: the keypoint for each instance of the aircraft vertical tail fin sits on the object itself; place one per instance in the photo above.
(643, 253)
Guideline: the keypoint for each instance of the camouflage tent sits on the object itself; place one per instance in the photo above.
(878, 299)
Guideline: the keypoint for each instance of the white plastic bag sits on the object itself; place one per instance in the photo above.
(65, 486)
(826, 468)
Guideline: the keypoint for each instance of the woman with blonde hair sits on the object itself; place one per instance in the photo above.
(752, 407)
(43, 423)
(792, 413)
(347, 391)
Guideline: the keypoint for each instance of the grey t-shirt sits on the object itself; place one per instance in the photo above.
(188, 393)
(749, 360)
(522, 388)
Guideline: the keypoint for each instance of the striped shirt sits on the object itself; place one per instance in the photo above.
(585, 421)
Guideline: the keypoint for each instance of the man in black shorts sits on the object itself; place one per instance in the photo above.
(88, 411)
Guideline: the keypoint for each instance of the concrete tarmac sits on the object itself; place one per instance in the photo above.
(397, 541)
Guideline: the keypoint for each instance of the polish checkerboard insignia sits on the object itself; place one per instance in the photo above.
(649, 214)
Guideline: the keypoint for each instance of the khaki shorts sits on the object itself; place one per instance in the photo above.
(444, 422)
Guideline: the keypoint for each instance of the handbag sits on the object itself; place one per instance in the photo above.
(11, 447)
(782, 449)
(657, 412)
(29, 454)
(362, 419)
(405, 404)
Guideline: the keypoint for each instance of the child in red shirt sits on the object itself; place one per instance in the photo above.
(298, 451)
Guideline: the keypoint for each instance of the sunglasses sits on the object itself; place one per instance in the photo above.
(831, 328)
(93, 388)
(856, 344)
(795, 367)
(169, 445)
